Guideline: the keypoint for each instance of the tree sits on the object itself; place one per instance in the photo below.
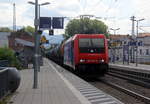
(85, 26)
(5, 29)
(29, 29)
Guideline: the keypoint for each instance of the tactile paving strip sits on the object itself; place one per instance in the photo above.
(94, 95)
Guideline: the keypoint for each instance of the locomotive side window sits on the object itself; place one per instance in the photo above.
(84, 42)
(89, 45)
(98, 43)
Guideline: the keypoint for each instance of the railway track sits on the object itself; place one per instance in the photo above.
(138, 78)
(127, 91)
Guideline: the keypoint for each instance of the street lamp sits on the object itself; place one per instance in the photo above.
(38, 22)
(36, 37)
(42, 4)
(114, 49)
(137, 26)
(114, 30)
(36, 55)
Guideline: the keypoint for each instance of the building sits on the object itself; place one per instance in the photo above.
(19, 35)
(4, 39)
(122, 48)
(144, 48)
(116, 45)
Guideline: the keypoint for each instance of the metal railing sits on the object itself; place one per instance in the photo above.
(3, 82)
(4, 63)
(9, 80)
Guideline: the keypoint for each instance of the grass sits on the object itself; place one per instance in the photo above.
(6, 99)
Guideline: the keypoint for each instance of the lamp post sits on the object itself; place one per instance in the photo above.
(114, 50)
(114, 30)
(137, 26)
(36, 65)
(38, 36)
(39, 5)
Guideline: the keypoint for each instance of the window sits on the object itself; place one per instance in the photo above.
(125, 42)
(147, 51)
(140, 51)
(91, 45)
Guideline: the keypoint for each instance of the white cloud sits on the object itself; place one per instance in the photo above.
(6, 14)
(73, 8)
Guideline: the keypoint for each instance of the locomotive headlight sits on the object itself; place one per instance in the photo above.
(82, 60)
(102, 60)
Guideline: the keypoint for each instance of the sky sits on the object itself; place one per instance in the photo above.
(114, 13)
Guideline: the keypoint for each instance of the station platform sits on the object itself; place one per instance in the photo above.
(58, 86)
(131, 66)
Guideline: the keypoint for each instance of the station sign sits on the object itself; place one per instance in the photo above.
(58, 22)
(50, 23)
(45, 23)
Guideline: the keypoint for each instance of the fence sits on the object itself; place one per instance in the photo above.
(144, 59)
(126, 54)
(4, 63)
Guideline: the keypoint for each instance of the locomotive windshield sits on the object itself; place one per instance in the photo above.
(91, 45)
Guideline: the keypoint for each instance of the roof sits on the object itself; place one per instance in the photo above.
(144, 35)
(24, 42)
(119, 36)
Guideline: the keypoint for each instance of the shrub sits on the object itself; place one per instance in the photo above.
(8, 54)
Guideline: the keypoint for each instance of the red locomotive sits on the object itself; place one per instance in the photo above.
(85, 54)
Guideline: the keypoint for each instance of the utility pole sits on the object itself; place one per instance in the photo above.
(132, 40)
(137, 42)
(133, 19)
(36, 64)
(14, 17)
(137, 26)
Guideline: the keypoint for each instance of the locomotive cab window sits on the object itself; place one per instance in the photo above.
(91, 45)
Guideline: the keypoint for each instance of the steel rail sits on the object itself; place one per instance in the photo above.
(141, 75)
(133, 80)
(129, 92)
(131, 75)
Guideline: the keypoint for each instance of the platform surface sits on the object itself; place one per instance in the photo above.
(131, 66)
(58, 86)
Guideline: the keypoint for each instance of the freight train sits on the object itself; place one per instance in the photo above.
(86, 54)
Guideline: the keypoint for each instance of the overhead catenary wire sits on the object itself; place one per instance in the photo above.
(113, 3)
(144, 30)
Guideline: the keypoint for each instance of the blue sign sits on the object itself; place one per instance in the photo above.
(45, 23)
(58, 23)
(136, 43)
(132, 43)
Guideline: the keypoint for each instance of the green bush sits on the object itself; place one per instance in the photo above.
(8, 54)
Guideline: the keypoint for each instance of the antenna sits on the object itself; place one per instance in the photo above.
(14, 17)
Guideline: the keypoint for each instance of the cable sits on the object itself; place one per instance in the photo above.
(143, 30)
(96, 4)
(112, 4)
